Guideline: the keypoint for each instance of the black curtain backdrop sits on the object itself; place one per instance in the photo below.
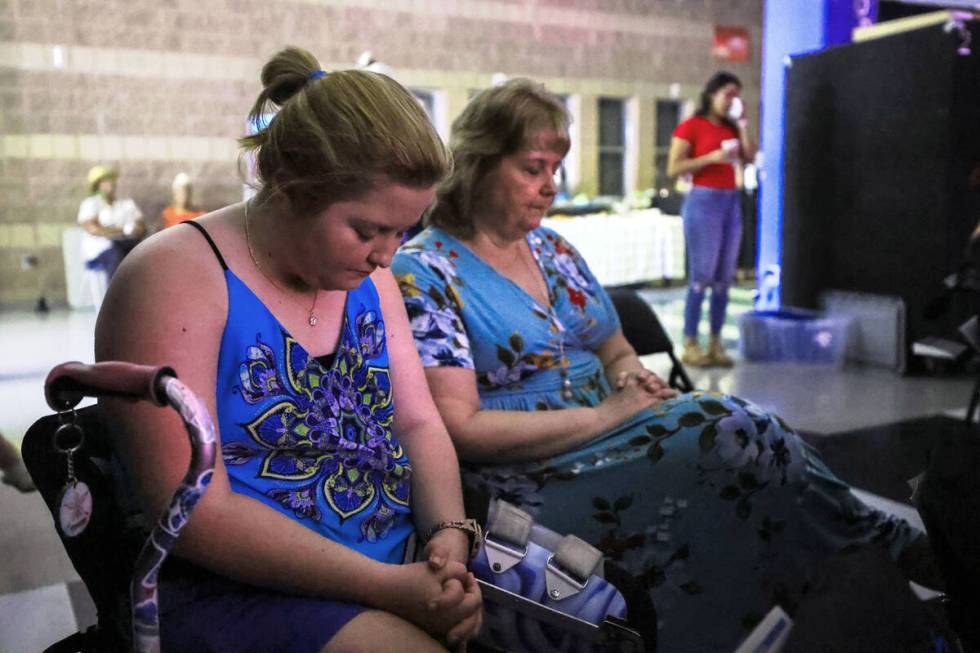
(881, 138)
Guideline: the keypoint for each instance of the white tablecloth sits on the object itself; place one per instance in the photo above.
(635, 247)
(627, 248)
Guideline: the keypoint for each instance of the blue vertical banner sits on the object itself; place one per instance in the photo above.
(790, 27)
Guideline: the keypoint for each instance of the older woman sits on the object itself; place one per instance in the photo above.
(281, 313)
(713, 503)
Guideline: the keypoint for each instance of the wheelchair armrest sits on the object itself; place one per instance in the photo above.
(68, 383)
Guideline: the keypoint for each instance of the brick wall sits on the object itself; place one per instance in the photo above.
(160, 86)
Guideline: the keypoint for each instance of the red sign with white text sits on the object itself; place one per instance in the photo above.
(731, 44)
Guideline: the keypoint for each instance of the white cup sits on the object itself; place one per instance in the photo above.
(736, 109)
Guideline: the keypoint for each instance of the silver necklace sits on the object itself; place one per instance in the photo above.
(563, 362)
(566, 383)
(312, 317)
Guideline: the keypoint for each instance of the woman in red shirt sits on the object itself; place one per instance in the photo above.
(707, 146)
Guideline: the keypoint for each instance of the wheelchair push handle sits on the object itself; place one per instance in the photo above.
(68, 383)
(65, 387)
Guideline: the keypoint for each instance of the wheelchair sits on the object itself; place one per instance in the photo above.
(542, 592)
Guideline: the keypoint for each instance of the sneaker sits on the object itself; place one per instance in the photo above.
(717, 357)
(693, 355)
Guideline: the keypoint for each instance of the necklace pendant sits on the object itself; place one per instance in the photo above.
(313, 319)
(566, 389)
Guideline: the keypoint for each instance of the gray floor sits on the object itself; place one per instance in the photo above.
(35, 601)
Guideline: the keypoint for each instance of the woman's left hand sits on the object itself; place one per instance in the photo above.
(453, 545)
(647, 380)
(447, 544)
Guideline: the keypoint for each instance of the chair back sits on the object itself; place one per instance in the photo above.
(643, 331)
(641, 326)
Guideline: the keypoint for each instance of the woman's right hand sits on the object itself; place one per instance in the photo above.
(624, 404)
(717, 156)
(435, 600)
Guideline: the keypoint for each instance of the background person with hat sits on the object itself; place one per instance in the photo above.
(112, 227)
(181, 209)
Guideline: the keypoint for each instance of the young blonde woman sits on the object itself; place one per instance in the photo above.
(282, 314)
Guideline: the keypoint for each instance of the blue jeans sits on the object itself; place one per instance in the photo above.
(713, 230)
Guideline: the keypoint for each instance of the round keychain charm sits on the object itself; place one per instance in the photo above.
(74, 509)
(75, 499)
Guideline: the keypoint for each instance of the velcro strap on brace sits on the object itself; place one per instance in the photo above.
(509, 525)
(577, 557)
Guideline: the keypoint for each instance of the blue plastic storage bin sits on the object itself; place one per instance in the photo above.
(794, 335)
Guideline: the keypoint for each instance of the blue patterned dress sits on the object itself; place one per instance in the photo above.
(311, 439)
(717, 506)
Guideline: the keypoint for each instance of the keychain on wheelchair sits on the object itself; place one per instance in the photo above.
(75, 499)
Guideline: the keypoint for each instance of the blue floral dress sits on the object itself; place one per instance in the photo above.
(716, 505)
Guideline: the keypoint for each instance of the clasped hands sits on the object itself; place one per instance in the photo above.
(648, 381)
(455, 606)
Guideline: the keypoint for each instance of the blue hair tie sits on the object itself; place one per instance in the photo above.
(316, 74)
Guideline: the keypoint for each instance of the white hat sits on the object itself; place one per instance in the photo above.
(182, 179)
(366, 59)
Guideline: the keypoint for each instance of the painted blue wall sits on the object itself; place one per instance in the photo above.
(790, 27)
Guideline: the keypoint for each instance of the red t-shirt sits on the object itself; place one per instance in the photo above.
(704, 137)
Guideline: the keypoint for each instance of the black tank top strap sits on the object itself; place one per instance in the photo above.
(207, 236)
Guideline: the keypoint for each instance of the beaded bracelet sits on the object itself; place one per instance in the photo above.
(469, 526)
